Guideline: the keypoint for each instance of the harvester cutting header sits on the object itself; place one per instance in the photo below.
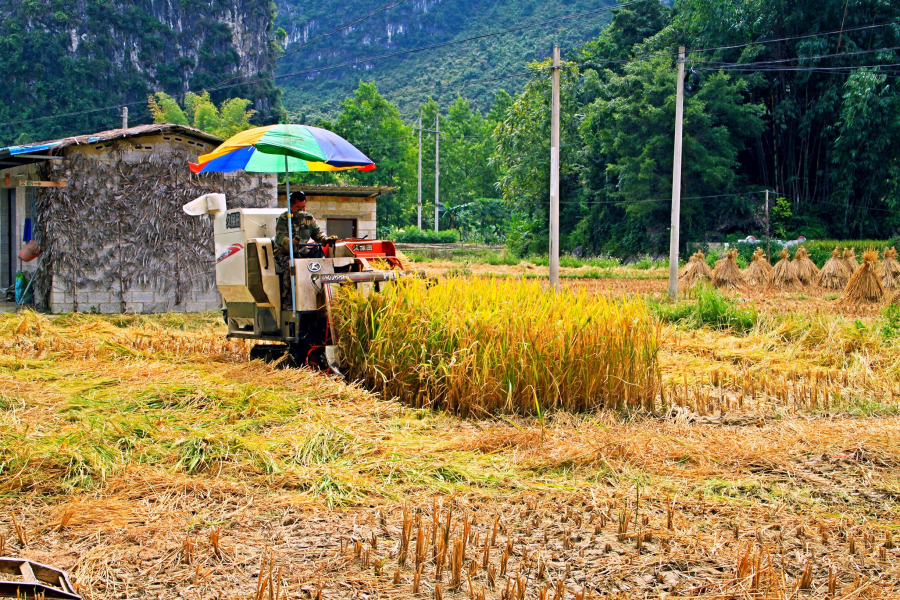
(276, 271)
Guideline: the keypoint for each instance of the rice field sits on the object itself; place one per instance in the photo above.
(150, 459)
(490, 347)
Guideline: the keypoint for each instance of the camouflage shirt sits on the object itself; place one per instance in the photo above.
(304, 228)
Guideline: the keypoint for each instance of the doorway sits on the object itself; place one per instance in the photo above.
(342, 228)
(7, 238)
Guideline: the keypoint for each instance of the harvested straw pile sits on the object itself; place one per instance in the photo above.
(727, 275)
(890, 270)
(850, 260)
(759, 271)
(834, 275)
(487, 346)
(695, 271)
(865, 286)
(806, 270)
(784, 276)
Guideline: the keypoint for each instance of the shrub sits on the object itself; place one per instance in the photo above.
(414, 235)
(478, 347)
(709, 308)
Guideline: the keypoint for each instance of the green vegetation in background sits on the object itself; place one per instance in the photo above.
(199, 111)
(708, 307)
(476, 70)
(61, 57)
(414, 235)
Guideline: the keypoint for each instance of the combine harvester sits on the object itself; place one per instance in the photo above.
(250, 287)
(245, 266)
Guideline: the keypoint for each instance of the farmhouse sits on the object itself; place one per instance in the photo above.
(105, 211)
(344, 211)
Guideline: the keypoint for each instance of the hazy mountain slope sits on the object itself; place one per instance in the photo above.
(71, 56)
(442, 73)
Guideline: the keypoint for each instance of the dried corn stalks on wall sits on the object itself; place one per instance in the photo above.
(116, 238)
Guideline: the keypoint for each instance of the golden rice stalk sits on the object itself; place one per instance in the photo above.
(483, 346)
(890, 269)
(864, 286)
(759, 271)
(784, 277)
(834, 275)
(695, 271)
(850, 260)
(806, 270)
(727, 275)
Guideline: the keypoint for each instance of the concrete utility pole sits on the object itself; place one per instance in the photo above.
(124, 117)
(437, 167)
(676, 181)
(420, 169)
(768, 250)
(554, 174)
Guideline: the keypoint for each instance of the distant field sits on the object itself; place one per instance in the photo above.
(148, 457)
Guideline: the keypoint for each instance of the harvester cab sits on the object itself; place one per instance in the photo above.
(249, 283)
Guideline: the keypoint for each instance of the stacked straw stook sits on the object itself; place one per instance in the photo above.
(759, 271)
(727, 275)
(865, 286)
(850, 260)
(806, 270)
(834, 275)
(890, 270)
(784, 277)
(695, 271)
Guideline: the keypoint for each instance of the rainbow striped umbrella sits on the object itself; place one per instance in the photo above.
(280, 148)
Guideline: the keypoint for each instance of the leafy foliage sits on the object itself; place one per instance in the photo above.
(199, 111)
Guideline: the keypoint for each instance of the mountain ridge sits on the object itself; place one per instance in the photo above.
(476, 69)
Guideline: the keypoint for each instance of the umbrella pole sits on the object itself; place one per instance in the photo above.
(290, 226)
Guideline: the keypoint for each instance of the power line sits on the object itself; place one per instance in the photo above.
(785, 60)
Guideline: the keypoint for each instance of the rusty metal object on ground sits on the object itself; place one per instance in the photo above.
(22, 578)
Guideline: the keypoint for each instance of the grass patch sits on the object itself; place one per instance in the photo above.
(708, 308)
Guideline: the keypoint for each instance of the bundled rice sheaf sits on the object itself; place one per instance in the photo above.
(890, 270)
(806, 270)
(759, 271)
(784, 276)
(865, 285)
(478, 347)
(727, 275)
(695, 271)
(834, 275)
(850, 260)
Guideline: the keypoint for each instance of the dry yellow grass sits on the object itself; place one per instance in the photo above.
(774, 467)
(834, 275)
(865, 285)
(784, 275)
(758, 273)
(727, 275)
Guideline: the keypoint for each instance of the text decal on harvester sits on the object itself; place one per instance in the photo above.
(232, 249)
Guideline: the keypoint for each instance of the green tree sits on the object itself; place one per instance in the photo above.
(231, 117)
(371, 123)
(630, 128)
(465, 155)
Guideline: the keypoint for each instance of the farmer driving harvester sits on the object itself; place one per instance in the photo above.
(305, 229)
